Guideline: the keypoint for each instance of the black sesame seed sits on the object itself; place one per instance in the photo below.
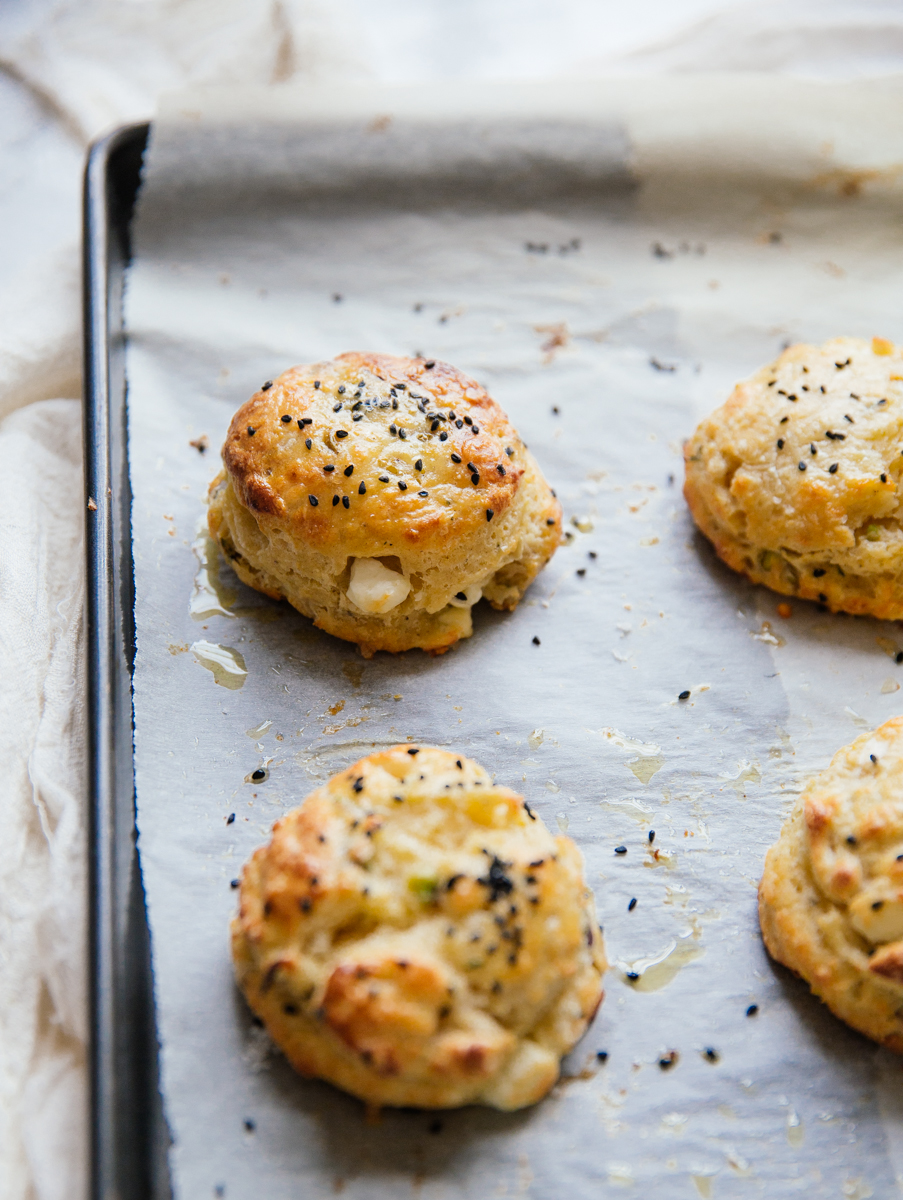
(812, 449)
(822, 597)
(456, 458)
(313, 501)
(337, 407)
(341, 433)
(384, 479)
(602, 1055)
(349, 471)
(265, 387)
(285, 418)
(873, 759)
(780, 443)
(251, 431)
(620, 849)
(500, 468)
(234, 883)
(509, 452)
(783, 420)
(308, 443)
(329, 468)
(402, 434)
(443, 436)
(632, 905)
(832, 470)
(341, 389)
(850, 419)
(536, 641)
(413, 751)
(475, 479)
(418, 465)
(711, 1054)
(259, 774)
(633, 975)
(684, 695)
(230, 819)
(459, 424)
(884, 478)
(489, 514)
(581, 571)
(423, 493)
(476, 428)
(402, 486)
(393, 429)
(802, 466)
(249, 1125)
(346, 503)
(362, 488)
(428, 366)
(335, 501)
(651, 836)
(752, 1010)
(468, 421)
(550, 521)
(668, 1060)
(317, 384)
(818, 572)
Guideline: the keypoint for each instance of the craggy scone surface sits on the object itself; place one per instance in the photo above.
(796, 478)
(413, 934)
(831, 896)
(369, 456)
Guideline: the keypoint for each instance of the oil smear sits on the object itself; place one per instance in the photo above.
(225, 664)
(655, 972)
(210, 597)
(648, 758)
(259, 730)
(795, 1129)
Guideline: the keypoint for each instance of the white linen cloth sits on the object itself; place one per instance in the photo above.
(68, 70)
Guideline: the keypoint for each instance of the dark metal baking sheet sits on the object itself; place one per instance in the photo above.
(128, 1136)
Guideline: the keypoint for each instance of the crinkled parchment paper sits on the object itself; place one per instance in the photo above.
(607, 260)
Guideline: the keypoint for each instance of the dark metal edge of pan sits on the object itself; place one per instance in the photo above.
(128, 1136)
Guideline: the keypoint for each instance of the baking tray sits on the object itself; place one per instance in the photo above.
(130, 1134)
(127, 1132)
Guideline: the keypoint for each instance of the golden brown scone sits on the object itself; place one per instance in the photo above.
(415, 935)
(831, 896)
(382, 497)
(796, 478)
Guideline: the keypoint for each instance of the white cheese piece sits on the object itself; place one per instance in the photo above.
(374, 588)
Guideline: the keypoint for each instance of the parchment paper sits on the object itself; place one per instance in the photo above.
(608, 260)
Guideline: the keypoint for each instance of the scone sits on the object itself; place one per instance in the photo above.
(382, 497)
(831, 896)
(415, 935)
(796, 478)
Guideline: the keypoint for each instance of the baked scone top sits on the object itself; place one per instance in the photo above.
(800, 472)
(365, 449)
(831, 897)
(414, 934)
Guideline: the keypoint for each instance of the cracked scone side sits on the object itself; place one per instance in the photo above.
(414, 935)
(831, 895)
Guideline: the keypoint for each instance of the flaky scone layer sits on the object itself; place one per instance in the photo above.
(404, 463)
(831, 895)
(415, 935)
(796, 479)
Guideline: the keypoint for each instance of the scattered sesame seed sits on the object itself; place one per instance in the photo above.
(668, 1060)
(265, 387)
(581, 571)
(620, 849)
(234, 883)
(602, 1055)
(651, 836)
(633, 975)
(711, 1054)
(230, 819)
(632, 905)
(752, 1010)
(536, 641)
(259, 774)
(684, 695)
